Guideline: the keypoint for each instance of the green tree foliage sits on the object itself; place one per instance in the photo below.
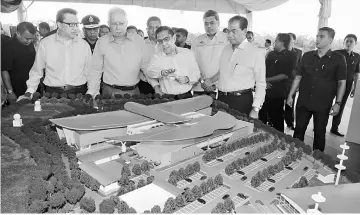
(141, 183)
(210, 184)
(229, 205)
(150, 179)
(196, 192)
(170, 205)
(136, 169)
(218, 180)
(132, 211)
(123, 207)
(189, 196)
(124, 180)
(145, 166)
(107, 206)
(180, 200)
(88, 204)
(57, 201)
(125, 171)
(38, 206)
(156, 209)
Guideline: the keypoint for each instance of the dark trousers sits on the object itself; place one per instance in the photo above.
(145, 88)
(289, 113)
(321, 117)
(242, 103)
(181, 96)
(69, 90)
(273, 111)
(200, 93)
(337, 119)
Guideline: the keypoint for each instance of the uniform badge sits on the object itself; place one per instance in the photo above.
(91, 19)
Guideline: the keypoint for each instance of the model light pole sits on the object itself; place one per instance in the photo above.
(318, 198)
(340, 166)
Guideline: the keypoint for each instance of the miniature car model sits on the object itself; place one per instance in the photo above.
(241, 195)
(246, 153)
(219, 159)
(202, 201)
(188, 180)
(279, 157)
(244, 178)
(306, 168)
(271, 189)
(289, 168)
(203, 177)
(240, 172)
(271, 180)
(264, 159)
(225, 196)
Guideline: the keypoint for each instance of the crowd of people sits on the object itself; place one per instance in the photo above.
(117, 59)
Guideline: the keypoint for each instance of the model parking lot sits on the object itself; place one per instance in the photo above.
(192, 207)
(182, 184)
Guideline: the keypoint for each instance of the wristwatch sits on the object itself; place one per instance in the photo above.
(339, 103)
(202, 81)
(256, 109)
(10, 91)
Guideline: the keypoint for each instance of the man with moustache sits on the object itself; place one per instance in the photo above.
(119, 57)
(91, 30)
(17, 58)
(242, 67)
(65, 57)
(207, 49)
(320, 78)
(353, 71)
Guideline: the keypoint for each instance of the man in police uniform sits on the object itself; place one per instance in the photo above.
(91, 30)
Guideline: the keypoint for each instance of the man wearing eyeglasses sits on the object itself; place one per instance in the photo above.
(64, 56)
(91, 30)
(174, 67)
(207, 49)
(119, 57)
(242, 67)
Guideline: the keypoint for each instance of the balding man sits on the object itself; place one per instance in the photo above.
(119, 56)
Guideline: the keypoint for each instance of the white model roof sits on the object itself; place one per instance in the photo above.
(146, 197)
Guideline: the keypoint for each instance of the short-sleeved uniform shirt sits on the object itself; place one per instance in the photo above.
(278, 63)
(352, 64)
(318, 85)
(17, 59)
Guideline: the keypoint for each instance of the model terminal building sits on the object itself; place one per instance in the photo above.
(165, 134)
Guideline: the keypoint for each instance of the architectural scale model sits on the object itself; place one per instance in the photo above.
(197, 161)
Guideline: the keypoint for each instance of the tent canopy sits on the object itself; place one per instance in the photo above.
(221, 6)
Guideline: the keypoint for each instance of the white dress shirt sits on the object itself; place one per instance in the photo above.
(243, 68)
(119, 61)
(66, 62)
(185, 65)
(207, 53)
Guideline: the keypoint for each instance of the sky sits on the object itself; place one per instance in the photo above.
(298, 16)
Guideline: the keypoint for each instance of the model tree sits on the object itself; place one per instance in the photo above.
(229, 205)
(220, 207)
(189, 196)
(124, 180)
(180, 201)
(57, 200)
(169, 205)
(303, 182)
(156, 209)
(210, 184)
(172, 180)
(204, 188)
(181, 173)
(255, 181)
(189, 170)
(125, 171)
(38, 206)
(107, 206)
(265, 173)
(145, 166)
(196, 166)
(218, 180)
(229, 169)
(136, 169)
(196, 192)
(141, 183)
(88, 204)
(292, 147)
(299, 153)
(122, 207)
(74, 195)
(150, 179)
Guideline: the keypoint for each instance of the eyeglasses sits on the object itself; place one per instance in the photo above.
(71, 24)
(165, 40)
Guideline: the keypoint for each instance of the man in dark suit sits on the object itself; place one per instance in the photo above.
(352, 65)
(297, 53)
